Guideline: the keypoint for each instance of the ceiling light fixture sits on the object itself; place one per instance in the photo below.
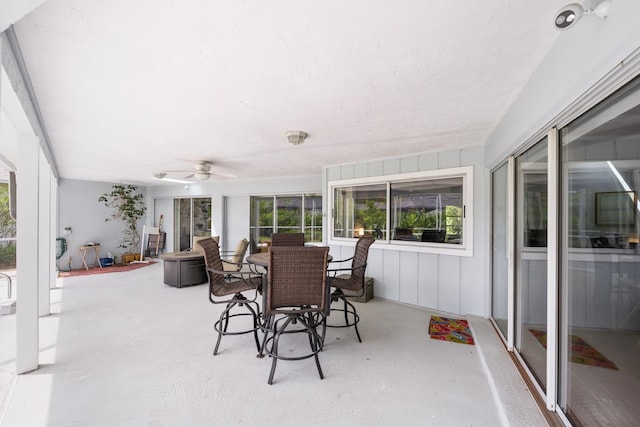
(296, 137)
(570, 14)
(201, 175)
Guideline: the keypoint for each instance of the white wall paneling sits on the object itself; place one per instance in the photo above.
(390, 275)
(408, 279)
(429, 280)
(428, 273)
(449, 296)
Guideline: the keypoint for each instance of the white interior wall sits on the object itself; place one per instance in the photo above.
(163, 207)
(236, 221)
(79, 208)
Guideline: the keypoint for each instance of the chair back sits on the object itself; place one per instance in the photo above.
(196, 239)
(355, 281)
(297, 277)
(241, 250)
(287, 239)
(209, 248)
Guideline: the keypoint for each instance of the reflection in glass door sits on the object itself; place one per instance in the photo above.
(600, 289)
(500, 250)
(531, 259)
(192, 217)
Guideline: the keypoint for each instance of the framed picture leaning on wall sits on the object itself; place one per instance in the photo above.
(616, 208)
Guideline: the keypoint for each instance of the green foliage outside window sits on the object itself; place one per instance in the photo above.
(370, 216)
(7, 230)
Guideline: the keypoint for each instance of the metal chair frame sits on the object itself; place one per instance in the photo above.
(232, 285)
(306, 301)
(344, 285)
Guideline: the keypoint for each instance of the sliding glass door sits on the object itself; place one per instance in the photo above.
(531, 258)
(192, 217)
(600, 299)
(576, 329)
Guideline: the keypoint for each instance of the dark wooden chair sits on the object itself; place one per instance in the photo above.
(296, 297)
(229, 288)
(351, 283)
(287, 239)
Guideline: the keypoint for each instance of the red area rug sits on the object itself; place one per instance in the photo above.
(454, 330)
(103, 270)
(580, 352)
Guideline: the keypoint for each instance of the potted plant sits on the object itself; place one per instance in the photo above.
(128, 206)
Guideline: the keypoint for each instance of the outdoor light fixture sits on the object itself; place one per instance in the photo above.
(570, 14)
(296, 137)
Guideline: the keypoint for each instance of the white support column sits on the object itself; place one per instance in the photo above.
(44, 235)
(27, 254)
(53, 227)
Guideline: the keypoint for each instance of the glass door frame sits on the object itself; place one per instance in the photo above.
(553, 264)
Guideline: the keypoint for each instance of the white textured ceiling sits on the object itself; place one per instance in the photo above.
(129, 88)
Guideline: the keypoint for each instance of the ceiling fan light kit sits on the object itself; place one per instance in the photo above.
(296, 137)
(201, 176)
(570, 14)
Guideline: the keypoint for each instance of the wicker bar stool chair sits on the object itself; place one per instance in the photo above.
(287, 239)
(228, 288)
(350, 283)
(296, 296)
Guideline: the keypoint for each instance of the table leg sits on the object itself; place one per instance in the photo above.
(97, 249)
(83, 255)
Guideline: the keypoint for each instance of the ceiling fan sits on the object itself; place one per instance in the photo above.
(201, 172)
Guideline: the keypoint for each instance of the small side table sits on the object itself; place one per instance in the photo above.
(83, 254)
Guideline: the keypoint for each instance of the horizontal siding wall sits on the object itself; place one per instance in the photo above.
(442, 282)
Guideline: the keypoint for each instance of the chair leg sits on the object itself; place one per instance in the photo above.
(268, 326)
(315, 340)
(348, 310)
(356, 318)
(274, 348)
(222, 324)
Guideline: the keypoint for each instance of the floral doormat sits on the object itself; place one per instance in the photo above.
(446, 329)
(581, 352)
(109, 269)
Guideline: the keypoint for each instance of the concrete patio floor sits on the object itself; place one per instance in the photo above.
(123, 349)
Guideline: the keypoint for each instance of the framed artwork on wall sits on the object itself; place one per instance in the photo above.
(616, 208)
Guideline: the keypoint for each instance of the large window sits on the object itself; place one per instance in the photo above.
(423, 211)
(300, 213)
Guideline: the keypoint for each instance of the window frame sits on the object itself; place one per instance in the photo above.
(275, 227)
(465, 248)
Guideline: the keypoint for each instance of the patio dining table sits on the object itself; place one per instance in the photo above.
(262, 259)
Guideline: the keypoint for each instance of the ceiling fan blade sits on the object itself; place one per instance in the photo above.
(224, 174)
